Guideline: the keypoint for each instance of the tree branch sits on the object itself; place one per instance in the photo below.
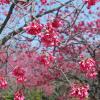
(6, 38)
(7, 18)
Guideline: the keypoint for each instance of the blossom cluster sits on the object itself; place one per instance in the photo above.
(47, 33)
(3, 82)
(43, 1)
(88, 66)
(19, 95)
(79, 91)
(90, 2)
(46, 59)
(34, 28)
(4, 1)
(19, 73)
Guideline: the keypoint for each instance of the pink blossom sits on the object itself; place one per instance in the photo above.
(88, 66)
(19, 95)
(19, 73)
(3, 82)
(90, 2)
(4, 1)
(33, 28)
(79, 91)
(43, 1)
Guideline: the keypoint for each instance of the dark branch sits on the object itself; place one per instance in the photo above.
(7, 18)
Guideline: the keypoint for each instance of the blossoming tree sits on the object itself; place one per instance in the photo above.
(50, 46)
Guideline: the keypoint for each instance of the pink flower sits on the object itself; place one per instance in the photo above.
(91, 74)
(46, 59)
(3, 83)
(19, 73)
(34, 28)
(90, 2)
(19, 95)
(43, 1)
(4, 1)
(50, 39)
(79, 91)
(43, 59)
(56, 23)
(88, 66)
